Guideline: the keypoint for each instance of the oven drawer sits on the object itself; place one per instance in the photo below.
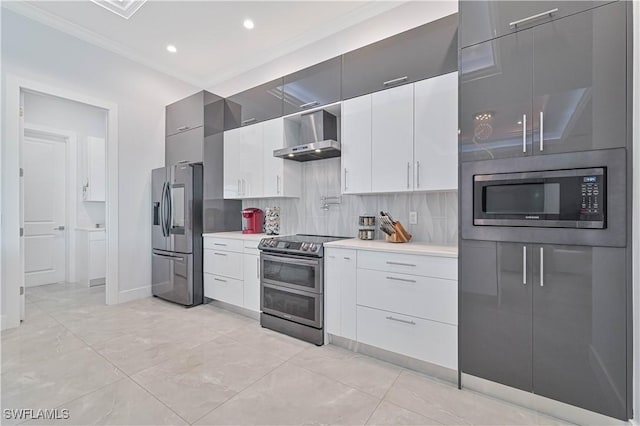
(426, 340)
(294, 305)
(225, 263)
(226, 244)
(295, 272)
(424, 297)
(429, 266)
(224, 289)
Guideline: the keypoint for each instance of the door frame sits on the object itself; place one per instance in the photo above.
(11, 271)
(70, 140)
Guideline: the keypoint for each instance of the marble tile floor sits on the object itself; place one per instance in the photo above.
(149, 362)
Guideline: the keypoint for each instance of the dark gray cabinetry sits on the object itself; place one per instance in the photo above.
(252, 106)
(186, 114)
(484, 19)
(422, 52)
(314, 86)
(184, 147)
(558, 87)
(550, 319)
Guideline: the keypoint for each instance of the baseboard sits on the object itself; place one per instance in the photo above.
(134, 294)
(5, 324)
(233, 308)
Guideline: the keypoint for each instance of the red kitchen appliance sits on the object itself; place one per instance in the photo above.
(252, 219)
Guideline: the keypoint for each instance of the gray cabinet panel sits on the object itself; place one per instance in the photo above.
(184, 115)
(495, 94)
(496, 313)
(252, 106)
(213, 114)
(579, 327)
(422, 52)
(185, 146)
(314, 86)
(580, 81)
(482, 20)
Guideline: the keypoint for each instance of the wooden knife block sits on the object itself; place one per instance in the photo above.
(400, 236)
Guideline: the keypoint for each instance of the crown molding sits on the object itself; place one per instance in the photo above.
(53, 21)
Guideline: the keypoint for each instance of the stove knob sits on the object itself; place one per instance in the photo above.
(313, 247)
(303, 246)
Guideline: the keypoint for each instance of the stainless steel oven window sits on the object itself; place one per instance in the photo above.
(299, 306)
(294, 272)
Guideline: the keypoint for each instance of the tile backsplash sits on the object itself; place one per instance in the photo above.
(437, 211)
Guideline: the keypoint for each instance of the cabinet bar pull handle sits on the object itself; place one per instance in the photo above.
(219, 254)
(258, 268)
(345, 178)
(404, 280)
(347, 258)
(278, 184)
(219, 244)
(183, 128)
(408, 173)
(239, 187)
(418, 174)
(524, 132)
(524, 265)
(532, 17)
(395, 81)
(309, 104)
(247, 121)
(220, 279)
(400, 263)
(541, 267)
(401, 320)
(541, 131)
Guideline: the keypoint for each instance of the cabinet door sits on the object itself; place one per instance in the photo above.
(422, 52)
(392, 140)
(340, 292)
(314, 86)
(97, 259)
(184, 147)
(96, 170)
(496, 312)
(185, 114)
(496, 98)
(580, 90)
(580, 327)
(251, 161)
(251, 266)
(232, 152)
(436, 133)
(273, 138)
(356, 145)
(252, 106)
(482, 20)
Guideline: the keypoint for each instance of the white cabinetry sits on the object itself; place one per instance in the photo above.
(251, 170)
(436, 133)
(251, 268)
(94, 188)
(340, 292)
(91, 256)
(411, 133)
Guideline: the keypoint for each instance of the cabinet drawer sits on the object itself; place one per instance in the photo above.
(97, 236)
(250, 245)
(426, 340)
(425, 297)
(223, 244)
(223, 263)
(184, 147)
(224, 289)
(429, 266)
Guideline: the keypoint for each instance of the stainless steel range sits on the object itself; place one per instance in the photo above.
(292, 285)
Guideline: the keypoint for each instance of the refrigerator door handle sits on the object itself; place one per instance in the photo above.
(163, 210)
(167, 256)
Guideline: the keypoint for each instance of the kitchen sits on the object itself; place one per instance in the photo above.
(373, 292)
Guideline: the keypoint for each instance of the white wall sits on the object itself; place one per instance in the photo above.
(36, 52)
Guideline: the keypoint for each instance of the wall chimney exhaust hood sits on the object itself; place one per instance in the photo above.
(318, 133)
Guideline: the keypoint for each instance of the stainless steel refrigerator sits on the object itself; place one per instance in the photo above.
(177, 234)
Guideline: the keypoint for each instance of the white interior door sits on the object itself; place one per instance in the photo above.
(45, 235)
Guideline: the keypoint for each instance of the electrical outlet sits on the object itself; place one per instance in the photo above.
(413, 218)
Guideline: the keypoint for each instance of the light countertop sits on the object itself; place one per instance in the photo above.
(90, 229)
(407, 248)
(235, 235)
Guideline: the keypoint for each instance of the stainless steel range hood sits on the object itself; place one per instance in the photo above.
(318, 132)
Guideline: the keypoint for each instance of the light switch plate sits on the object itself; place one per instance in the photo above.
(413, 218)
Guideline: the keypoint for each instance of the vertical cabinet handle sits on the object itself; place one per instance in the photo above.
(345, 179)
(541, 267)
(524, 265)
(278, 184)
(408, 173)
(417, 174)
(541, 131)
(258, 268)
(524, 132)
(239, 193)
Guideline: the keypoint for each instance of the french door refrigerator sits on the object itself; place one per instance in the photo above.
(177, 234)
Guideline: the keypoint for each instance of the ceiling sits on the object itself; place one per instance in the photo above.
(213, 46)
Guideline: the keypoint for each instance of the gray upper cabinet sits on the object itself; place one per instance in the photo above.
(186, 114)
(184, 147)
(314, 86)
(423, 52)
(252, 106)
(482, 20)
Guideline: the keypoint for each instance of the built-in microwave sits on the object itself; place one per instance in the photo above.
(572, 198)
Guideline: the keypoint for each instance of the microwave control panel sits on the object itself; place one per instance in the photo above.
(591, 199)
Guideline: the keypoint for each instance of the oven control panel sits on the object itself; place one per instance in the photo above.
(590, 191)
(274, 244)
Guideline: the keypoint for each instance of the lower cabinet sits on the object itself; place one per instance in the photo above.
(91, 264)
(224, 289)
(340, 292)
(251, 267)
(550, 319)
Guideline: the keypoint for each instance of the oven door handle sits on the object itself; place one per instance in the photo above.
(295, 260)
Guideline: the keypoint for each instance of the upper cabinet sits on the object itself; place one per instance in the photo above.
(312, 87)
(482, 20)
(186, 114)
(422, 52)
(95, 186)
(252, 106)
(558, 87)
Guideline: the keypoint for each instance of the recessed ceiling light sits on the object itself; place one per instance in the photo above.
(318, 150)
(171, 48)
(290, 155)
(248, 24)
